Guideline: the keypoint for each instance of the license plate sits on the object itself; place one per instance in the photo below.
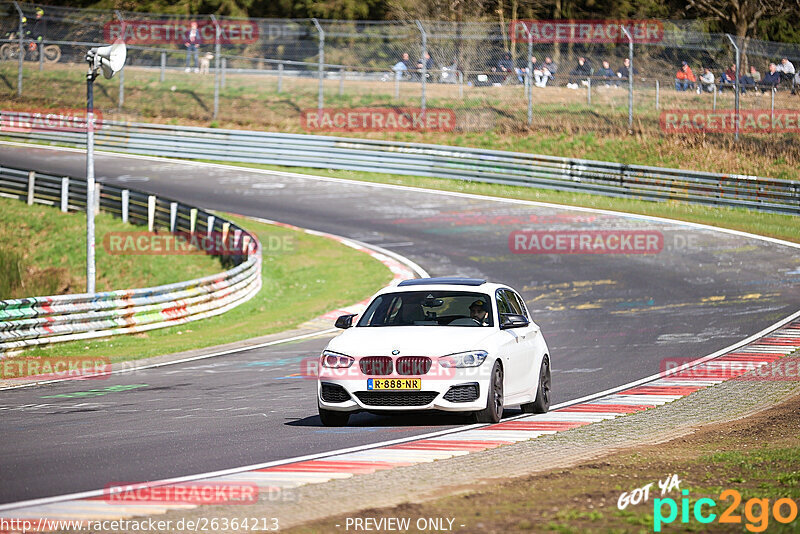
(374, 384)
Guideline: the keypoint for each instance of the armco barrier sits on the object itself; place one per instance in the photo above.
(490, 166)
(41, 320)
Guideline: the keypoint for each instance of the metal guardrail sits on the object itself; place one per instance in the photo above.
(478, 165)
(41, 320)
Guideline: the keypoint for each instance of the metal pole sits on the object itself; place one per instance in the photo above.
(714, 106)
(424, 73)
(216, 65)
(151, 212)
(21, 48)
(280, 77)
(224, 68)
(64, 194)
(126, 195)
(530, 74)
(772, 108)
(31, 187)
(630, 77)
(657, 94)
(460, 84)
(173, 215)
(163, 65)
(121, 99)
(397, 86)
(320, 66)
(736, 88)
(589, 91)
(341, 81)
(90, 270)
(41, 55)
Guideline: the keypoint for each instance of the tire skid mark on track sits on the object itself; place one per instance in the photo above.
(672, 385)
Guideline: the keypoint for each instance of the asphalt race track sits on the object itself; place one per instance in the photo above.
(608, 319)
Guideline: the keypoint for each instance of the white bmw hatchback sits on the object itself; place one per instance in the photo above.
(450, 344)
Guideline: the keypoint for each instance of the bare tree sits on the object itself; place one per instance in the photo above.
(742, 15)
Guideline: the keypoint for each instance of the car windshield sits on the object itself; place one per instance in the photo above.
(429, 308)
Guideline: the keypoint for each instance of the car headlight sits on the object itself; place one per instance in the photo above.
(472, 358)
(335, 360)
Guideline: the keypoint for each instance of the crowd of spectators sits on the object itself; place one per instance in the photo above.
(749, 80)
(544, 73)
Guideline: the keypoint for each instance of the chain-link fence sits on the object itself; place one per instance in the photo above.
(309, 75)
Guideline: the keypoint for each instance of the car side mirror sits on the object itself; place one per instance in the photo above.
(512, 320)
(345, 321)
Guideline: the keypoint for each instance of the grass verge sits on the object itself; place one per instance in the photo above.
(757, 456)
(767, 224)
(43, 252)
(307, 277)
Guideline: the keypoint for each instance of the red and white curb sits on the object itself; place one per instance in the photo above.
(635, 397)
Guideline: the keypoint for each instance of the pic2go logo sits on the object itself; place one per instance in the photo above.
(756, 511)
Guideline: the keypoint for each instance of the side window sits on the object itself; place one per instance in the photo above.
(520, 304)
(512, 301)
(503, 306)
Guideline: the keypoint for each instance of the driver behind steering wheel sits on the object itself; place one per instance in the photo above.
(478, 312)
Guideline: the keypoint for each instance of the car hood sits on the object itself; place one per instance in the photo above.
(410, 340)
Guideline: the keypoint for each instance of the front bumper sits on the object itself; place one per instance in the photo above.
(430, 396)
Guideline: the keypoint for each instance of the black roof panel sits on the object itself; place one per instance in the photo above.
(443, 281)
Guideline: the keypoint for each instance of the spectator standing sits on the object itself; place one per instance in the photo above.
(39, 26)
(428, 62)
(428, 66)
(192, 42)
(684, 78)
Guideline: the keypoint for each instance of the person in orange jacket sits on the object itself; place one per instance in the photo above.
(684, 79)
